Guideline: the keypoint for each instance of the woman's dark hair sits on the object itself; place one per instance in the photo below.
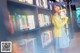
(58, 4)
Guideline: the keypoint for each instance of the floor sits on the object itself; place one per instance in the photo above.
(75, 44)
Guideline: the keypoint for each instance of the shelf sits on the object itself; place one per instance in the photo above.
(33, 30)
(16, 3)
(46, 27)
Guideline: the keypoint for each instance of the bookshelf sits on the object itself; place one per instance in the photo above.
(21, 20)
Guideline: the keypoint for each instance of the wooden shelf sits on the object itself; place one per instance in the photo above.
(16, 3)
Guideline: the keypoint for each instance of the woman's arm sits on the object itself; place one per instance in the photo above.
(57, 23)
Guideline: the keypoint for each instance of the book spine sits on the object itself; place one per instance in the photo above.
(47, 20)
(50, 5)
(20, 23)
(25, 22)
(43, 20)
(31, 22)
(11, 24)
(30, 1)
(40, 3)
(14, 22)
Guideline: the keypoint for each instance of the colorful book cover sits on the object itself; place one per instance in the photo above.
(14, 22)
(11, 24)
(20, 23)
(25, 25)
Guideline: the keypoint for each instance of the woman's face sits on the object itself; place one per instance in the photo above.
(57, 8)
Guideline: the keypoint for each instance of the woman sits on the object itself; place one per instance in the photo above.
(59, 21)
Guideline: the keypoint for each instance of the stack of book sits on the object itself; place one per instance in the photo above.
(27, 1)
(44, 20)
(21, 22)
(46, 38)
(42, 3)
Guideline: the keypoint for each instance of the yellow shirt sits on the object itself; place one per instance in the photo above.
(58, 25)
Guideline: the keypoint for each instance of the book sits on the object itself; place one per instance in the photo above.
(42, 3)
(51, 49)
(45, 4)
(47, 20)
(20, 23)
(11, 24)
(31, 46)
(41, 20)
(37, 2)
(29, 1)
(14, 22)
(50, 5)
(25, 25)
(46, 38)
(31, 21)
(21, 0)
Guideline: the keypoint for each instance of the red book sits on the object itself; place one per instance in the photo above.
(11, 24)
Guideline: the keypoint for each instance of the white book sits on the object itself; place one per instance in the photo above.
(37, 3)
(29, 1)
(21, 0)
(45, 4)
(31, 21)
(41, 20)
